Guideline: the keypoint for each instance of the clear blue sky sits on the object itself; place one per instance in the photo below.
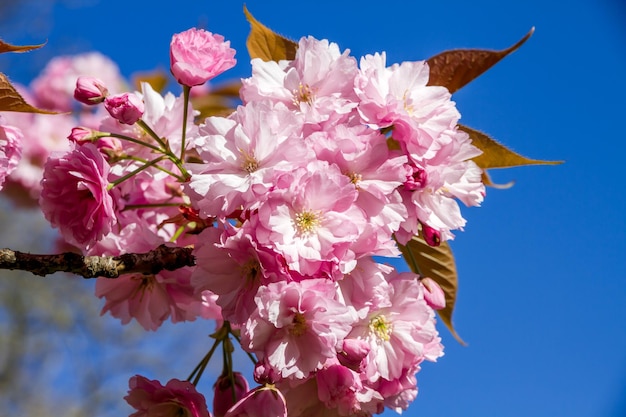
(542, 299)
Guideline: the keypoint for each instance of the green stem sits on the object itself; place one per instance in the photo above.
(160, 168)
(186, 90)
(152, 133)
(151, 205)
(135, 172)
(200, 367)
(134, 140)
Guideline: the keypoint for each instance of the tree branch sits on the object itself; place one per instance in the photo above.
(163, 257)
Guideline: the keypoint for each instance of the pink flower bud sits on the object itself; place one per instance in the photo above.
(433, 294)
(353, 352)
(90, 90)
(196, 56)
(82, 134)
(126, 108)
(262, 401)
(430, 235)
(223, 396)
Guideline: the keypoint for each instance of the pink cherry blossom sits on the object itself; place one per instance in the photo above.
(242, 154)
(310, 218)
(297, 326)
(177, 398)
(10, 150)
(317, 84)
(75, 196)
(197, 56)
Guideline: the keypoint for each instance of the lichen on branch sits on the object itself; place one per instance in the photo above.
(152, 262)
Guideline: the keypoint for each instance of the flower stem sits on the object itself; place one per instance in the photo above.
(135, 172)
(186, 90)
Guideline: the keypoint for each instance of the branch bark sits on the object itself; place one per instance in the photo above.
(163, 257)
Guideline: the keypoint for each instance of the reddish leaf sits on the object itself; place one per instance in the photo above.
(453, 69)
(11, 100)
(7, 47)
(265, 44)
(496, 155)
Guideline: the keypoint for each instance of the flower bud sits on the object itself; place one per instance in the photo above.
(82, 134)
(353, 352)
(126, 108)
(430, 235)
(90, 90)
(223, 398)
(433, 294)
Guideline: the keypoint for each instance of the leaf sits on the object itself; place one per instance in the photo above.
(11, 100)
(7, 47)
(496, 155)
(454, 69)
(437, 263)
(265, 44)
(157, 79)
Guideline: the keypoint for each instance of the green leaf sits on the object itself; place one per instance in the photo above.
(11, 100)
(454, 69)
(496, 155)
(7, 47)
(266, 44)
(437, 263)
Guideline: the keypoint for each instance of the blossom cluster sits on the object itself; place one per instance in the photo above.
(288, 202)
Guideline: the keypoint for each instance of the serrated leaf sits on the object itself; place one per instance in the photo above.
(7, 47)
(454, 69)
(11, 100)
(496, 155)
(437, 263)
(266, 44)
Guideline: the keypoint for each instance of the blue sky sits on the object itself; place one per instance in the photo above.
(542, 298)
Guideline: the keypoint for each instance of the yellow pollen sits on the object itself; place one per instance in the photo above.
(307, 221)
(303, 94)
(249, 164)
(381, 327)
(298, 325)
(354, 177)
(407, 107)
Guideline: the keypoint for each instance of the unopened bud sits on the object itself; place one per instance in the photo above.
(352, 353)
(433, 294)
(430, 235)
(223, 398)
(126, 108)
(90, 90)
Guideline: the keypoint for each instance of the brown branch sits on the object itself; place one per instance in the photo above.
(163, 257)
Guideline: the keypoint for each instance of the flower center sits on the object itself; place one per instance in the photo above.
(146, 283)
(303, 94)
(381, 327)
(307, 221)
(250, 271)
(249, 163)
(408, 105)
(355, 178)
(298, 325)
